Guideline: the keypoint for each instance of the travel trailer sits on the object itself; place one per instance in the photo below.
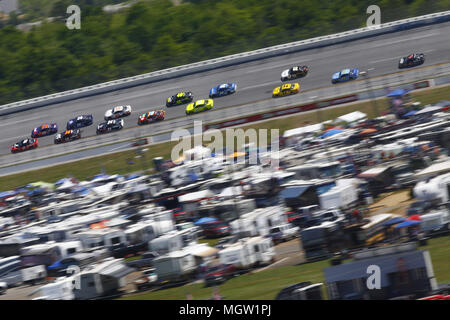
(175, 266)
(259, 221)
(248, 252)
(166, 243)
(102, 280)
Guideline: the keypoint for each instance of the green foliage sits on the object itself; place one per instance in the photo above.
(155, 34)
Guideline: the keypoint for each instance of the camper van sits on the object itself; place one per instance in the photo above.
(175, 266)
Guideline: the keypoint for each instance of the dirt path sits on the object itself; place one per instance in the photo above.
(397, 203)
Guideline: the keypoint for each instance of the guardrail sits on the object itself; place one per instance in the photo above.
(226, 61)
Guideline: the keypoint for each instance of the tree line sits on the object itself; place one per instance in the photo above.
(157, 34)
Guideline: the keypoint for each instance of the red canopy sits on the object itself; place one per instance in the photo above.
(415, 217)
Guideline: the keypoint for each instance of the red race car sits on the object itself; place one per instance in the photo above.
(151, 116)
(24, 145)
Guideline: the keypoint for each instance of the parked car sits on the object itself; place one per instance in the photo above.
(283, 233)
(219, 274)
(148, 279)
(216, 229)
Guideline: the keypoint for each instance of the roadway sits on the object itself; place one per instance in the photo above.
(255, 82)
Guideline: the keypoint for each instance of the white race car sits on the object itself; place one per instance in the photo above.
(118, 112)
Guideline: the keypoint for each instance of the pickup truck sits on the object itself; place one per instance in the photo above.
(282, 233)
(145, 261)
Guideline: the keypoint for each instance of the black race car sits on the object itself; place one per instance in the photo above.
(80, 122)
(412, 60)
(294, 73)
(179, 98)
(110, 125)
(68, 135)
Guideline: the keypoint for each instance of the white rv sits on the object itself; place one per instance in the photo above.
(102, 238)
(435, 223)
(259, 221)
(248, 252)
(172, 241)
(435, 188)
(61, 289)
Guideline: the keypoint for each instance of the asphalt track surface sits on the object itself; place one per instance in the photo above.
(255, 81)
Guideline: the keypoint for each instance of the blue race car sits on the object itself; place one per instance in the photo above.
(44, 130)
(223, 90)
(80, 122)
(345, 75)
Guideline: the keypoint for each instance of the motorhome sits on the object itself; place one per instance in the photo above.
(343, 195)
(175, 266)
(47, 253)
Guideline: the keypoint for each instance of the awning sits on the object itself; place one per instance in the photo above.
(196, 196)
(407, 223)
(293, 192)
(203, 251)
(118, 272)
(352, 117)
(397, 93)
(204, 220)
(429, 109)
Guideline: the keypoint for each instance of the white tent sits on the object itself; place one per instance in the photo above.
(302, 130)
(198, 152)
(352, 117)
(196, 196)
(428, 110)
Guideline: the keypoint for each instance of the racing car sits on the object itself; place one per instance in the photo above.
(199, 106)
(80, 122)
(110, 125)
(179, 98)
(222, 90)
(345, 75)
(412, 60)
(26, 144)
(44, 130)
(294, 73)
(68, 135)
(286, 90)
(151, 116)
(117, 112)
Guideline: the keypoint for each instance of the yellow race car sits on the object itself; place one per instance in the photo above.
(199, 106)
(286, 90)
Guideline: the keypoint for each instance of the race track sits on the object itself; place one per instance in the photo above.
(255, 82)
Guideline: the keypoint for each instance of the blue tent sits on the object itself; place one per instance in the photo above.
(7, 194)
(397, 93)
(331, 132)
(407, 223)
(410, 114)
(204, 220)
(394, 221)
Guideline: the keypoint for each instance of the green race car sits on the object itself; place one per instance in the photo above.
(199, 106)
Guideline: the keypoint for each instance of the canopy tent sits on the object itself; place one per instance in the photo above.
(204, 220)
(352, 117)
(407, 223)
(397, 93)
(368, 131)
(393, 221)
(410, 114)
(331, 132)
(414, 217)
